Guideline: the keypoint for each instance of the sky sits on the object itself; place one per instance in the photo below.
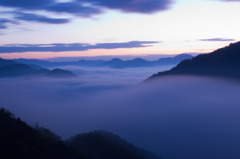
(63, 28)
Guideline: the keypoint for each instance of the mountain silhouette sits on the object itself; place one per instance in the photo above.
(18, 70)
(139, 62)
(37, 62)
(113, 63)
(172, 60)
(48, 64)
(10, 68)
(20, 141)
(59, 73)
(4, 62)
(106, 145)
(224, 62)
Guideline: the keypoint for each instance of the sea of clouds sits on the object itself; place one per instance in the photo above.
(180, 117)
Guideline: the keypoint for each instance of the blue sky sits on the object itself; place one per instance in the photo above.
(52, 28)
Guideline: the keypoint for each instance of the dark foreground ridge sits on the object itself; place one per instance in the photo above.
(105, 145)
(224, 62)
(20, 141)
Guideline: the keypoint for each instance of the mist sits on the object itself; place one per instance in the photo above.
(181, 117)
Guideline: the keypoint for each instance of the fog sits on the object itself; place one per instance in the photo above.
(177, 117)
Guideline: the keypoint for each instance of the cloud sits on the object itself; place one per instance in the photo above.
(74, 8)
(59, 47)
(40, 18)
(26, 4)
(4, 22)
(88, 8)
(79, 8)
(138, 6)
(130, 44)
(177, 117)
(217, 39)
(231, 0)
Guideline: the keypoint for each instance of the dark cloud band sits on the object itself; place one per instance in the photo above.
(60, 47)
(138, 6)
(74, 8)
(217, 39)
(40, 18)
(4, 23)
(79, 7)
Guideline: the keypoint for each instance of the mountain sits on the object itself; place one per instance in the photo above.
(172, 60)
(44, 63)
(4, 62)
(59, 73)
(20, 141)
(14, 69)
(37, 62)
(105, 145)
(224, 62)
(139, 62)
(88, 62)
(114, 63)
(19, 70)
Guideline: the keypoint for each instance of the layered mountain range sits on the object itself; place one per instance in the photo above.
(113, 63)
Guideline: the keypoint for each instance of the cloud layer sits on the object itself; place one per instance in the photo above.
(59, 47)
(177, 117)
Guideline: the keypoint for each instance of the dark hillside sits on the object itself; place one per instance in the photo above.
(224, 62)
(20, 141)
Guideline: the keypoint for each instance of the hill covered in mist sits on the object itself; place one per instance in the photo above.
(223, 62)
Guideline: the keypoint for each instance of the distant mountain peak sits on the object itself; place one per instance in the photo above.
(59, 73)
(139, 60)
(116, 60)
(184, 56)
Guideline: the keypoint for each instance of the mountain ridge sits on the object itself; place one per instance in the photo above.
(10, 68)
(19, 140)
(223, 62)
(104, 142)
(116, 63)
